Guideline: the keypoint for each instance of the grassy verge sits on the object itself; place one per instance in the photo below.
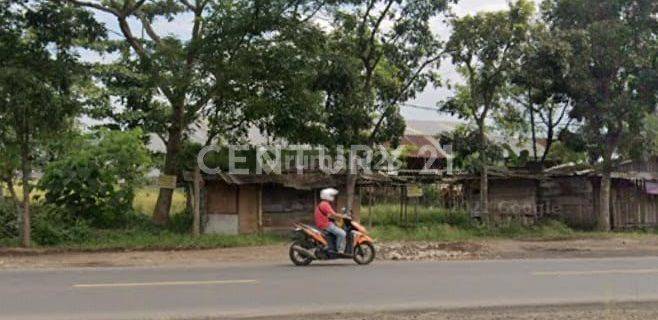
(120, 240)
(440, 225)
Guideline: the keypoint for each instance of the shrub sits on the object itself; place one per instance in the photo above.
(8, 220)
(181, 222)
(97, 181)
(52, 226)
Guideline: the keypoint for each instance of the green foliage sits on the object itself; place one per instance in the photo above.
(540, 89)
(486, 48)
(437, 224)
(53, 226)
(651, 126)
(465, 142)
(41, 80)
(181, 222)
(135, 239)
(97, 181)
(377, 55)
(8, 220)
(612, 77)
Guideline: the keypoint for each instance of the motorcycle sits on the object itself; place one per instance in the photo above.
(313, 244)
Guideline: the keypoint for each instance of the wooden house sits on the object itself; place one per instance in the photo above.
(571, 194)
(247, 204)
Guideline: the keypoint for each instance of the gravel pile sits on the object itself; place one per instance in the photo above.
(418, 251)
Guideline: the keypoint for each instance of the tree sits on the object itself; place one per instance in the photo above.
(40, 80)
(540, 87)
(378, 54)
(167, 83)
(486, 49)
(612, 79)
(262, 55)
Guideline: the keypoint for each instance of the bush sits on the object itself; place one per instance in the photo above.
(97, 181)
(52, 226)
(181, 222)
(8, 220)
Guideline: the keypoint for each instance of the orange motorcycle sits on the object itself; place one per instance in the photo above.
(313, 244)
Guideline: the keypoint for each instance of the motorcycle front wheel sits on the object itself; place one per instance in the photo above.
(296, 257)
(364, 253)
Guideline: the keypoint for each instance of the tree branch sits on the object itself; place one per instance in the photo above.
(94, 6)
(134, 8)
(400, 94)
(149, 29)
(189, 5)
(134, 43)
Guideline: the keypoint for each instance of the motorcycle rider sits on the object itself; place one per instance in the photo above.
(324, 212)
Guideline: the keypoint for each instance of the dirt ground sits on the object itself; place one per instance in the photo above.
(626, 311)
(492, 249)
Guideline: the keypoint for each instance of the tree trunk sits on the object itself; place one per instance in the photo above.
(26, 170)
(350, 191)
(603, 223)
(549, 144)
(484, 177)
(532, 127)
(171, 167)
(484, 193)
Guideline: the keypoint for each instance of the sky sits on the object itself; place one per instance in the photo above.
(432, 96)
(429, 98)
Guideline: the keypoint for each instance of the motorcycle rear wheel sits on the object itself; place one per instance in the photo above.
(297, 258)
(364, 253)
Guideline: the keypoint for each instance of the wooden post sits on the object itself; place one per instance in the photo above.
(370, 207)
(416, 212)
(260, 209)
(196, 226)
(401, 202)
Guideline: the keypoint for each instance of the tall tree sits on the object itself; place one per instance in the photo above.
(540, 87)
(486, 48)
(162, 80)
(377, 54)
(612, 79)
(40, 80)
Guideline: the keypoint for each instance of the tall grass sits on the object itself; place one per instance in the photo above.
(436, 224)
(145, 199)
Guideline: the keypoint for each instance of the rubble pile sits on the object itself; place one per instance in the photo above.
(419, 251)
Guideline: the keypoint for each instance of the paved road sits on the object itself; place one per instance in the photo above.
(256, 290)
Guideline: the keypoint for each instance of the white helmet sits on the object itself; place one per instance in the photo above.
(328, 194)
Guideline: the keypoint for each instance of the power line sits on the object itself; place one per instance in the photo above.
(427, 108)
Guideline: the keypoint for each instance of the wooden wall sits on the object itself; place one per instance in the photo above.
(632, 207)
(570, 199)
(281, 207)
(575, 200)
(221, 198)
(508, 198)
(248, 206)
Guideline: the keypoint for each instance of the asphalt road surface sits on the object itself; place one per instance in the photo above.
(262, 290)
